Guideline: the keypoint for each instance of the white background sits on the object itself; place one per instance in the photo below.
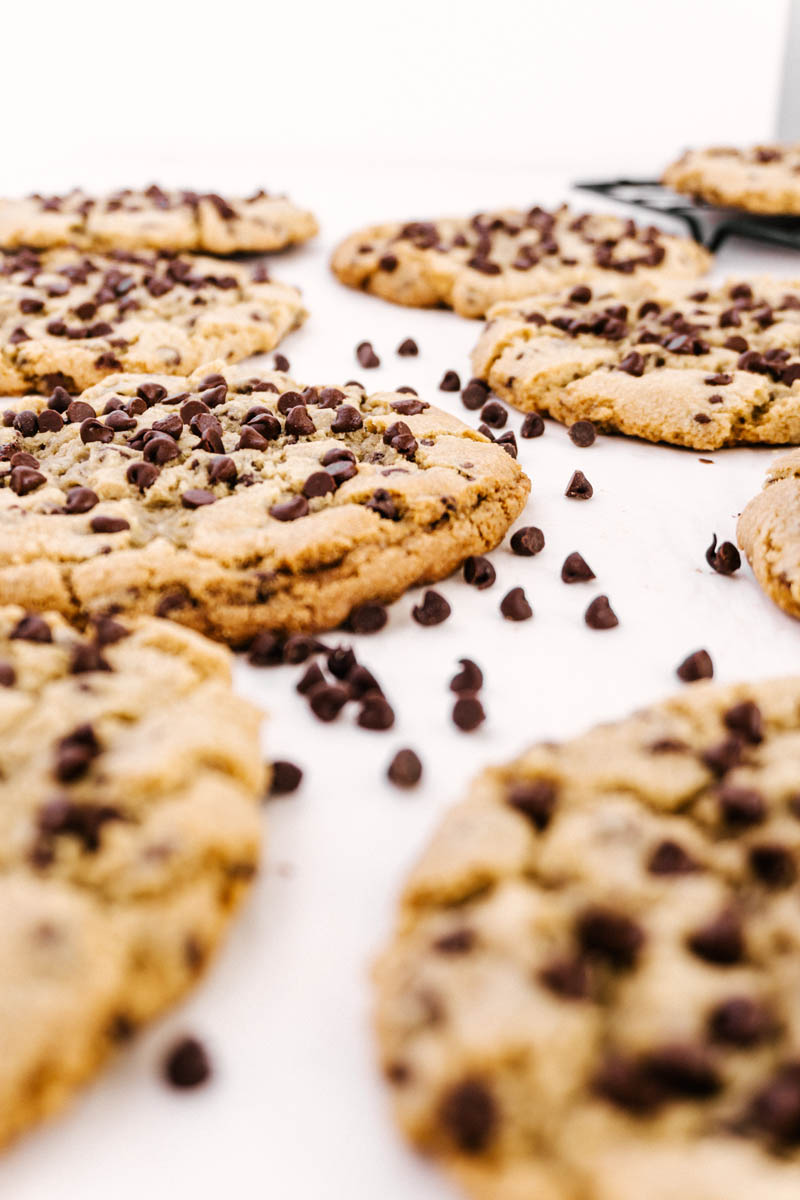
(355, 102)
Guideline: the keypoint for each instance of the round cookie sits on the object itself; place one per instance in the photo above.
(700, 367)
(760, 179)
(593, 988)
(233, 503)
(767, 532)
(468, 264)
(155, 219)
(71, 319)
(129, 831)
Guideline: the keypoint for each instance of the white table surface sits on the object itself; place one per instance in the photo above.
(296, 1110)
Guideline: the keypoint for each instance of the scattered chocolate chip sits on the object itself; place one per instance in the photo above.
(187, 1064)
(468, 713)
(494, 414)
(265, 650)
(405, 769)
(311, 677)
(433, 610)
(582, 433)
(469, 1115)
(697, 665)
(515, 607)
(579, 487)
(479, 572)
(600, 614)
(376, 712)
(532, 426)
(576, 569)
(367, 618)
(341, 661)
(408, 348)
(286, 778)
(527, 541)
(327, 700)
(535, 799)
(367, 356)
(475, 394)
(468, 679)
(450, 382)
(724, 560)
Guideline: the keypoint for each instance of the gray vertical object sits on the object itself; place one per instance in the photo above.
(789, 101)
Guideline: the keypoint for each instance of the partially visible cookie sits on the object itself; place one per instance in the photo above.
(593, 988)
(471, 263)
(768, 533)
(235, 502)
(71, 319)
(155, 219)
(701, 367)
(129, 832)
(760, 179)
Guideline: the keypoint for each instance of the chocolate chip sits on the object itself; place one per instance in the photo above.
(59, 400)
(159, 448)
(450, 382)
(515, 607)
(408, 348)
(600, 614)
(625, 1084)
(327, 700)
(286, 778)
(187, 1064)
(8, 676)
(341, 661)
(319, 483)
(724, 560)
(290, 510)
(508, 442)
(299, 647)
(388, 263)
(479, 572)
(579, 487)
(582, 433)
(632, 363)
(775, 1110)
(103, 524)
(723, 756)
(697, 665)
(298, 422)
(382, 503)
(401, 439)
(745, 720)
(80, 500)
(433, 610)
(469, 1115)
(721, 941)
(774, 865)
(367, 618)
(475, 394)
(670, 858)
(79, 411)
(85, 657)
(376, 712)
(265, 650)
(409, 408)
(24, 480)
(468, 679)
(741, 807)
(31, 628)
(527, 541)
(535, 799)
(197, 498)
(405, 769)
(311, 677)
(142, 475)
(740, 1021)
(222, 469)
(468, 713)
(50, 421)
(682, 1071)
(532, 426)
(75, 752)
(367, 356)
(576, 569)
(494, 414)
(347, 419)
(107, 631)
(26, 423)
(566, 977)
(610, 935)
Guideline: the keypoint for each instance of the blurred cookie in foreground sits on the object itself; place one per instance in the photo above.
(759, 179)
(470, 263)
(129, 814)
(695, 366)
(768, 533)
(593, 988)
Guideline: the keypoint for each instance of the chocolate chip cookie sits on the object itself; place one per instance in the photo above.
(761, 179)
(69, 319)
(767, 532)
(593, 990)
(155, 219)
(469, 264)
(696, 367)
(129, 831)
(234, 503)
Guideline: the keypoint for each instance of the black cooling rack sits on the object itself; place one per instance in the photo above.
(708, 225)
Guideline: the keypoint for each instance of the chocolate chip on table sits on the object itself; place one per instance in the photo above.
(724, 559)
(508, 442)
(450, 382)
(582, 433)
(299, 647)
(532, 426)
(468, 679)
(367, 618)
(341, 661)
(468, 713)
(311, 677)
(475, 394)
(376, 712)
(515, 607)
(697, 665)
(600, 614)
(281, 363)
(187, 1064)
(433, 610)
(408, 348)
(494, 414)
(527, 541)
(405, 769)
(367, 356)
(265, 650)
(479, 572)
(579, 487)
(286, 778)
(290, 510)
(576, 569)
(327, 700)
